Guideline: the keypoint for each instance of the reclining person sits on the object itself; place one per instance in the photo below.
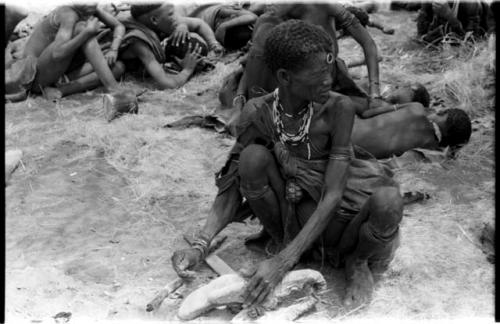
(231, 24)
(148, 25)
(57, 39)
(293, 162)
(409, 126)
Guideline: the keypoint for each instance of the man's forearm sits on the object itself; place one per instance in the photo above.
(118, 33)
(336, 174)
(312, 229)
(222, 212)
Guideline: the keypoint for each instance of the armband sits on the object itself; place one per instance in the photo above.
(343, 153)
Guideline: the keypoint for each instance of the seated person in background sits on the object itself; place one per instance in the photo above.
(231, 24)
(364, 19)
(408, 126)
(257, 79)
(439, 18)
(56, 40)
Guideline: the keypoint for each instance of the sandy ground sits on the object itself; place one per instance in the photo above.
(95, 210)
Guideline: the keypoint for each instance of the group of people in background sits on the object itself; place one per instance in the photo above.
(308, 138)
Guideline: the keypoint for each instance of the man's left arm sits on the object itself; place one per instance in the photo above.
(271, 271)
(349, 23)
(118, 32)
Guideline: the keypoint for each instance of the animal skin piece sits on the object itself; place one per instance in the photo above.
(227, 289)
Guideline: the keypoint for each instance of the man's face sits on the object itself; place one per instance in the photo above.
(313, 81)
(166, 19)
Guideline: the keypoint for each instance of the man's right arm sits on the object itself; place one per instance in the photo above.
(155, 69)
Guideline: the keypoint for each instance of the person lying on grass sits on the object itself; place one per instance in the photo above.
(409, 126)
(231, 24)
(59, 37)
(294, 164)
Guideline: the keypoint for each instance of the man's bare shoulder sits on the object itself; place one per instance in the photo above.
(66, 13)
(339, 104)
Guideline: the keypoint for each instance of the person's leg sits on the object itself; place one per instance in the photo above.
(377, 237)
(86, 82)
(96, 58)
(263, 187)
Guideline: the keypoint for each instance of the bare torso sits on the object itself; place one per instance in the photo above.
(394, 133)
(45, 31)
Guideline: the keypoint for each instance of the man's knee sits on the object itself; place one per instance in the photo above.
(254, 160)
(386, 210)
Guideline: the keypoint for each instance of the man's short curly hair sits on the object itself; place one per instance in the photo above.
(290, 44)
(137, 10)
(420, 94)
(458, 128)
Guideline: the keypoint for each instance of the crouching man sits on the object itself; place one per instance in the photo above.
(294, 164)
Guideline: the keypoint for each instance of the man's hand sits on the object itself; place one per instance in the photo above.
(191, 58)
(111, 57)
(377, 103)
(186, 259)
(180, 35)
(265, 277)
(92, 26)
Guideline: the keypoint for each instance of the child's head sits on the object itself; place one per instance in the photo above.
(414, 92)
(455, 126)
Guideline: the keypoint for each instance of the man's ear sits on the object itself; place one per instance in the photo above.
(283, 77)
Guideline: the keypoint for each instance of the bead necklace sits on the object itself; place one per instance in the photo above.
(302, 134)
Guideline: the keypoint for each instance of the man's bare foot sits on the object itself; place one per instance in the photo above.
(359, 283)
(52, 93)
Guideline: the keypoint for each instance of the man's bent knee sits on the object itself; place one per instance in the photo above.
(254, 160)
(386, 210)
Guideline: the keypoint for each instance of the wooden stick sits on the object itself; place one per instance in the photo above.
(167, 290)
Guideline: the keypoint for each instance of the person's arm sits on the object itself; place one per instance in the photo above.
(200, 27)
(155, 69)
(351, 25)
(64, 42)
(118, 32)
(247, 18)
(270, 272)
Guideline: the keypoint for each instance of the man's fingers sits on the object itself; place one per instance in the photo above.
(256, 294)
(263, 294)
(250, 288)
